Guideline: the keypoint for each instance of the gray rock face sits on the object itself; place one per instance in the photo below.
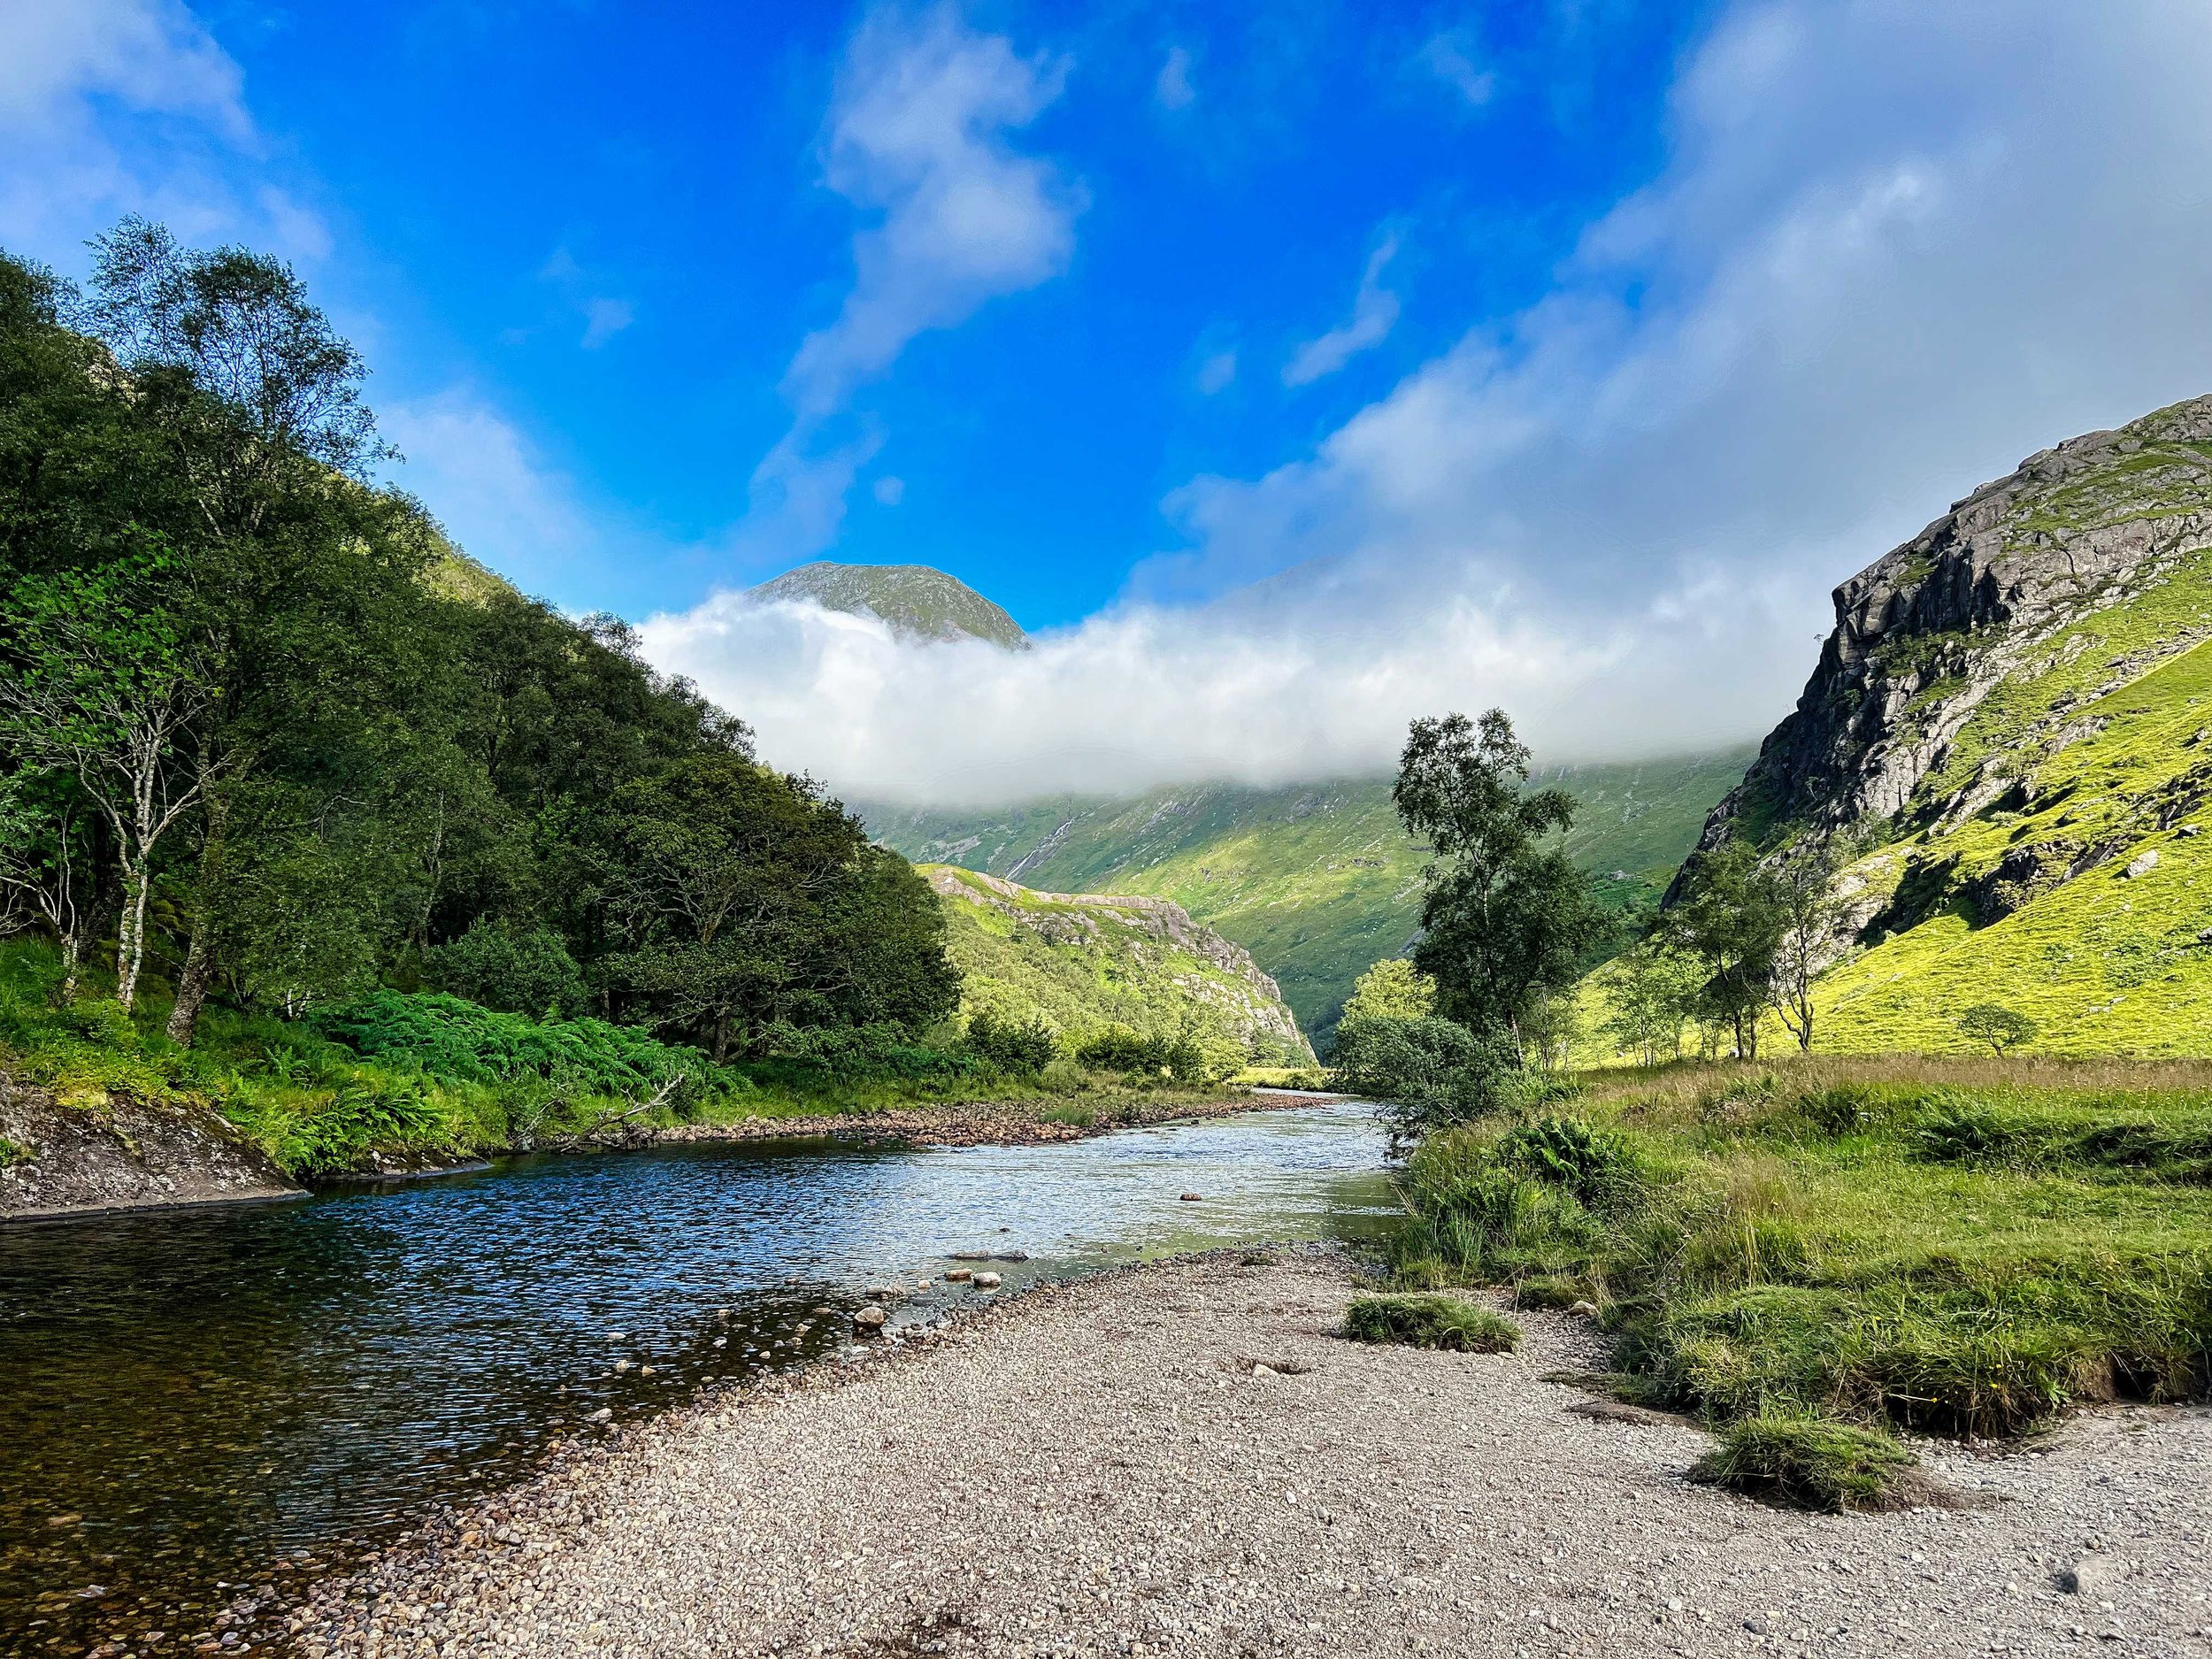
(917, 601)
(1927, 632)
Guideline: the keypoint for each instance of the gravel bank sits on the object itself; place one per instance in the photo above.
(1094, 1470)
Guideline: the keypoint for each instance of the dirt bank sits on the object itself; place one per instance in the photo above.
(1096, 1469)
(120, 1155)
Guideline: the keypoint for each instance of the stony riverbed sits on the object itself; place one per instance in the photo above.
(1184, 1459)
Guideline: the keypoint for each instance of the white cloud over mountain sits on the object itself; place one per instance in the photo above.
(1894, 249)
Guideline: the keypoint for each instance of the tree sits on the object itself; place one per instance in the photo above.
(2000, 1027)
(1651, 993)
(1505, 917)
(743, 899)
(102, 681)
(44, 859)
(1393, 988)
(1801, 889)
(1732, 920)
(1426, 1074)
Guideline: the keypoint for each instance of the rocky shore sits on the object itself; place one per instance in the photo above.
(1187, 1459)
(970, 1123)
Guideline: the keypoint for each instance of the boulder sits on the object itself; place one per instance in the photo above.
(986, 1281)
(870, 1318)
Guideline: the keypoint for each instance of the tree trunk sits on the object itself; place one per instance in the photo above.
(130, 933)
(199, 960)
(199, 973)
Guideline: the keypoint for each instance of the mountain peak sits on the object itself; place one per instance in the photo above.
(918, 601)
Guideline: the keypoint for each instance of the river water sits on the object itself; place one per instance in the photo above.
(198, 1400)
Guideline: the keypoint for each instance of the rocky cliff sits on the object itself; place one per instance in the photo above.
(1976, 602)
(2011, 728)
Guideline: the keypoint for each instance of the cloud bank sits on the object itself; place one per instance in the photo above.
(1894, 249)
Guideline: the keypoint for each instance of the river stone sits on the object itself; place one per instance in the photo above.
(2089, 1576)
(958, 1275)
(986, 1281)
(1193, 1198)
(870, 1318)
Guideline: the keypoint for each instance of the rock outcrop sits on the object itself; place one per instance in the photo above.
(1927, 634)
(59, 1160)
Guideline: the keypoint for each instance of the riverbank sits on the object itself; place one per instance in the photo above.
(71, 1160)
(1097, 1468)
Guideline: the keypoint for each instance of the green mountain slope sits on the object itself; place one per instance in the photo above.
(916, 601)
(1316, 881)
(2013, 726)
(1086, 962)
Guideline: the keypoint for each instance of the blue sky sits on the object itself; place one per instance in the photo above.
(1564, 353)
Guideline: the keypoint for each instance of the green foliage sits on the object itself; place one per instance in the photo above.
(1732, 920)
(2000, 1027)
(516, 970)
(460, 1041)
(1427, 1320)
(260, 716)
(1425, 1074)
(1025, 1046)
(1969, 1256)
(1813, 1462)
(1393, 988)
(1650, 995)
(1506, 919)
(1133, 1054)
(14, 1152)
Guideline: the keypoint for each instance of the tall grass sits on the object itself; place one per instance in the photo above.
(1968, 1246)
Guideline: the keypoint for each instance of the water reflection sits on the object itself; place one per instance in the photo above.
(188, 1398)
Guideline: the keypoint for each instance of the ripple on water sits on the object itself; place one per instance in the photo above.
(197, 1400)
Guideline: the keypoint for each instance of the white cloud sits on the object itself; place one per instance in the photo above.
(917, 137)
(1173, 88)
(1894, 249)
(1450, 56)
(1374, 314)
(498, 498)
(1217, 371)
(109, 107)
(603, 320)
(890, 491)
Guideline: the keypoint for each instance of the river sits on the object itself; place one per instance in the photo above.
(193, 1400)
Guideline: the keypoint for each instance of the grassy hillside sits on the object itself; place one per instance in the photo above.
(1316, 881)
(1085, 962)
(2029, 902)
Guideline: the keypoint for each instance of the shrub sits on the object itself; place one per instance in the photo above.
(1427, 1074)
(1811, 1460)
(1118, 1049)
(857, 1053)
(1593, 1164)
(461, 1041)
(14, 1152)
(1424, 1320)
(358, 1118)
(1028, 1046)
(515, 970)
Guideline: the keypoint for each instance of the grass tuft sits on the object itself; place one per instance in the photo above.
(1422, 1319)
(1814, 1463)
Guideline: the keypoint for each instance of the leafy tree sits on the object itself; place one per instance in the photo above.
(1800, 890)
(1393, 988)
(1732, 921)
(515, 969)
(2000, 1027)
(1426, 1074)
(103, 682)
(1506, 919)
(1651, 993)
(745, 899)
